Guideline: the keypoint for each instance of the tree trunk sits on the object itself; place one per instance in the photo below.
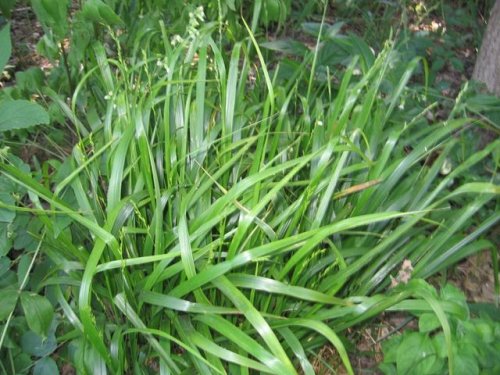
(487, 68)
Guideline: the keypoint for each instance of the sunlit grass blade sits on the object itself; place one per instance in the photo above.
(256, 319)
(295, 345)
(129, 312)
(324, 330)
(184, 305)
(227, 355)
(244, 341)
(272, 286)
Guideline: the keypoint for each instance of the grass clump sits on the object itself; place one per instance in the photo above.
(218, 215)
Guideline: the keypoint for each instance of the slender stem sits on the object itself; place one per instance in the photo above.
(316, 51)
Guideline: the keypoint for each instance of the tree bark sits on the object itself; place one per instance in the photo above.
(487, 68)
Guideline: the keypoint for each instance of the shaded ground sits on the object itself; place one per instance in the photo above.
(25, 32)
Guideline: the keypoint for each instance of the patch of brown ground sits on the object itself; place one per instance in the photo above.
(367, 352)
(475, 277)
(26, 31)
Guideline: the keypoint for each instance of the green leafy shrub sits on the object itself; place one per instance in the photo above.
(475, 342)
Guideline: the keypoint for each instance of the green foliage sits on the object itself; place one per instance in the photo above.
(6, 7)
(19, 114)
(224, 210)
(38, 312)
(97, 11)
(53, 15)
(475, 343)
(5, 46)
(9, 300)
(45, 366)
(274, 11)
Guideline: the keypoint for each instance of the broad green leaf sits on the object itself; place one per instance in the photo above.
(58, 11)
(38, 311)
(485, 330)
(98, 11)
(5, 46)
(5, 264)
(390, 348)
(9, 300)
(439, 345)
(108, 15)
(23, 268)
(451, 293)
(30, 80)
(53, 15)
(21, 114)
(6, 215)
(35, 345)
(465, 362)
(416, 354)
(329, 31)
(428, 293)
(489, 310)
(428, 322)
(22, 361)
(45, 366)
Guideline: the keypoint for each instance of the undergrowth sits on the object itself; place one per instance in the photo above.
(223, 214)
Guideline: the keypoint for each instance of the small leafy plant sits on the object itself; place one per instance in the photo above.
(475, 342)
(16, 114)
